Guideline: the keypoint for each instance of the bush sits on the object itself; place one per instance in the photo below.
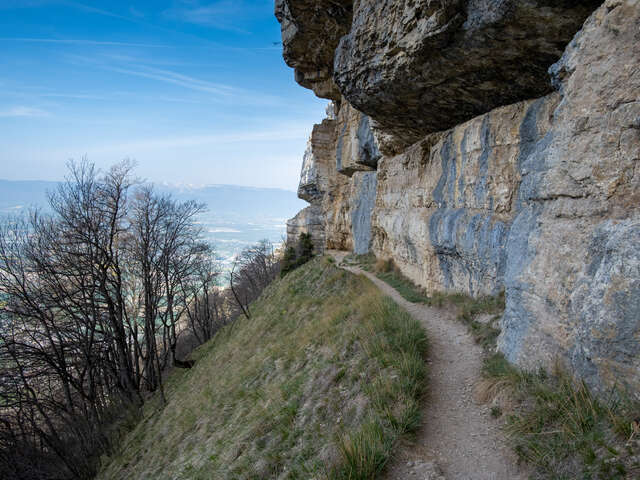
(384, 266)
(298, 255)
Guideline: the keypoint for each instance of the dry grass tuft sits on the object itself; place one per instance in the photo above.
(322, 382)
(384, 266)
(561, 428)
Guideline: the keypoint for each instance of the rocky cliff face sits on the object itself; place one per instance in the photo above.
(429, 161)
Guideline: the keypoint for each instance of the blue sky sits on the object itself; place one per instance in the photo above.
(195, 91)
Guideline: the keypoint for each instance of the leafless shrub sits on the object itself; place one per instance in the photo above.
(253, 269)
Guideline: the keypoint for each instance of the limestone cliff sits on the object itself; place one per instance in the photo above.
(428, 160)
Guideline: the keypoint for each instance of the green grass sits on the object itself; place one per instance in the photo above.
(555, 423)
(485, 333)
(321, 382)
(389, 273)
(404, 286)
(564, 431)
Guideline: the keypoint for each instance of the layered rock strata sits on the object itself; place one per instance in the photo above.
(445, 206)
(540, 198)
(340, 211)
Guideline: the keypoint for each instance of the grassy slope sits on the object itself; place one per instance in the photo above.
(320, 383)
(554, 422)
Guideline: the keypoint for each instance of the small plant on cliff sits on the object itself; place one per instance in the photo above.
(288, 260)
(485, 332)
(384, 266)
(298, 255)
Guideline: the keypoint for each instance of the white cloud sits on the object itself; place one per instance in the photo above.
(22, 111)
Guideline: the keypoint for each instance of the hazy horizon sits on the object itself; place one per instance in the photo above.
(165, 183)
(236, 216)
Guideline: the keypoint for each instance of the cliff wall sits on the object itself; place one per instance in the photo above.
(486, 146)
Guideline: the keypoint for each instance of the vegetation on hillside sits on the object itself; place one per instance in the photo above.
(99, 298)
(560, 427)
(320, 382)
(557, 425)
(387, 271)
(298, 254)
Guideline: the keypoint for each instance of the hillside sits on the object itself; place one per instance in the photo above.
(321, 382)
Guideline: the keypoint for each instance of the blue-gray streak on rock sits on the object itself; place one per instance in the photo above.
(468, 244)
(368, 152)
(519, 251)
(339, 147)
(539, 197)
(365, 185)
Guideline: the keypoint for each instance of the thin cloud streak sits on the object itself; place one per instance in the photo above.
(22, 111)
(76, 96)
(287, 132)
(222, 91)
(177, 79)
(99, 11)
(210, 15)
(75, 41)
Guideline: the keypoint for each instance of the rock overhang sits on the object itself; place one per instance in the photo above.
(422, 66)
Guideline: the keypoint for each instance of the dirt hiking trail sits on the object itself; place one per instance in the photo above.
(458, 439)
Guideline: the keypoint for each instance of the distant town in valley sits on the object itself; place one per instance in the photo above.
(235, 216)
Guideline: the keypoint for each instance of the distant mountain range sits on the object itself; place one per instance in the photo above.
(21, 194)
(225, 202)
(236, 217)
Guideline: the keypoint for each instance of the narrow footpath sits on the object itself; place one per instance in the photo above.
(458, 439)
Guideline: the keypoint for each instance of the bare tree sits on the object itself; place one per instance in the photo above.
(253, 269)
(165, 248)
(64, 338)
(90, 300)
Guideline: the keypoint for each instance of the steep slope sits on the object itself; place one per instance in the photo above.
(321, 382)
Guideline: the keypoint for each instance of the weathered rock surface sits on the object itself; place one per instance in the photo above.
(311, 30)
(328, 218)
(445, 206)
(573, 253)
(424, 66)
(540, 198)
(421, 66)
(362, 202)
(308, 220)
(317, 169)
(357, 148)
